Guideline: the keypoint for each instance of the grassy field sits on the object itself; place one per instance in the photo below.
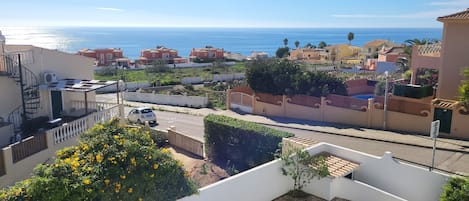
(172, 75)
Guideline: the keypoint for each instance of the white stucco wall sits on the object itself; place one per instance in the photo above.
(6, 131)
(263, 183)
(65, 65)
(355, 190)
(403, 180)
(40, 60)
(377, 178)
(10, 98)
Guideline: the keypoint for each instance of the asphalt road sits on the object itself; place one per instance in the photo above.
(188, 124)
(446, 160)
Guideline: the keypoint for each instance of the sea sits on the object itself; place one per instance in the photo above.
(235, 40)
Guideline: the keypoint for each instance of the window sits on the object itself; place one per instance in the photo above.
(146, 110)
(109, 56)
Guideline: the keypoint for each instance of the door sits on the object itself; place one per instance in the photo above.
(56, 104)
(444, 115)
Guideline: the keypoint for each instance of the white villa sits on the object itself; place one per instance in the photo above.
(48, 99)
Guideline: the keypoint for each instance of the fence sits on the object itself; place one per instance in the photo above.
(186, 142)
(28, 147)
(403, 114)
(72, 129)
(347, 102)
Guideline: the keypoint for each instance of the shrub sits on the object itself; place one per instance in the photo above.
(457, 188)
(240, 143)
(111, 162)
(302, 168)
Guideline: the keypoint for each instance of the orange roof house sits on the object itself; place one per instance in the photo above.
(104, 57)
(160, 53)
(207, 53)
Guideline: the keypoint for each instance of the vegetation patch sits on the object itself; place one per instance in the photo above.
(111, 162)
(281, 77)
(239, 145)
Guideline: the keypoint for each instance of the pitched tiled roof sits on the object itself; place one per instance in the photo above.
(304, 141)
(461, 16)
(375, 43)
(429, 49)
(338, 167)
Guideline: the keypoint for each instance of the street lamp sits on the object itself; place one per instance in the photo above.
(386, 75)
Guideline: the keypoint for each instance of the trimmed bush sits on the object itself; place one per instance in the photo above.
(111, 162)
(455, 189)
(240, 144)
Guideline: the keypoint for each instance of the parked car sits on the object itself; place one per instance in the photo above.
(142, 114)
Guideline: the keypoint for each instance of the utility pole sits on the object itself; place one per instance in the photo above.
(386, 75)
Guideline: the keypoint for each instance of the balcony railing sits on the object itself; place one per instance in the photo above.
(74, 128)
(54, 139)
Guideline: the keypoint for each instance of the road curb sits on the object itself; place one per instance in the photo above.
(366, 138)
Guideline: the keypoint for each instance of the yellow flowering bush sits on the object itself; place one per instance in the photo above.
(111, 162)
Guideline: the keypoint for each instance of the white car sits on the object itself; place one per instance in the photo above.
(142, 114)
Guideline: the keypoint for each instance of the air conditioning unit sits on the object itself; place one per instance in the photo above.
(50, 77)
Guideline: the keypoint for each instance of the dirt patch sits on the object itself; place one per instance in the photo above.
(202, 172)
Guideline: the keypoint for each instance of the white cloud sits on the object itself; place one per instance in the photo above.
(109, 9)
(456, 3)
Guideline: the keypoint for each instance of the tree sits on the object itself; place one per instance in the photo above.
(158, 66)
(409, 43)
(273, 76)
(282, 52)
(111, 162)
(302, 167)
(464, 89)
(280, 77)
(297, 44)
(380, 88)
(455, 189)
(350, 37)
(309, 45)
(322, 44)
(402, 64)
(285, 42)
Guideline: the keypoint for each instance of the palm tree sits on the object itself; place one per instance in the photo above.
(350, 37)
(322, 44)
(411, 42)
(297, 44)
(285, 42)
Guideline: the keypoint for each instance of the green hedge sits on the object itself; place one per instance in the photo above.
(412, 91)
(240, 144)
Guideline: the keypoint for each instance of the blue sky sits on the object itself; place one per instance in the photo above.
(228, 13)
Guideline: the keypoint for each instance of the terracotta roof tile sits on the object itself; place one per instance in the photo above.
(460, 16)
(429, 49)
(337, 166)
(378, 42)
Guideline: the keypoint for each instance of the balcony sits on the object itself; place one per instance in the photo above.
(17, 160)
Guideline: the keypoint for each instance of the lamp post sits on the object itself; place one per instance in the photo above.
(386, 75)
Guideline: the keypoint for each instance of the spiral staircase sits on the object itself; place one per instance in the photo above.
(12, 68)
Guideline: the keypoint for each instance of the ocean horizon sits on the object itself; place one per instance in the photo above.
(237, 40)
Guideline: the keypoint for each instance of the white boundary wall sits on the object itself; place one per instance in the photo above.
(123, 86)
(377, 178)
(264, 182)
(228, 77)
(179, 100)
